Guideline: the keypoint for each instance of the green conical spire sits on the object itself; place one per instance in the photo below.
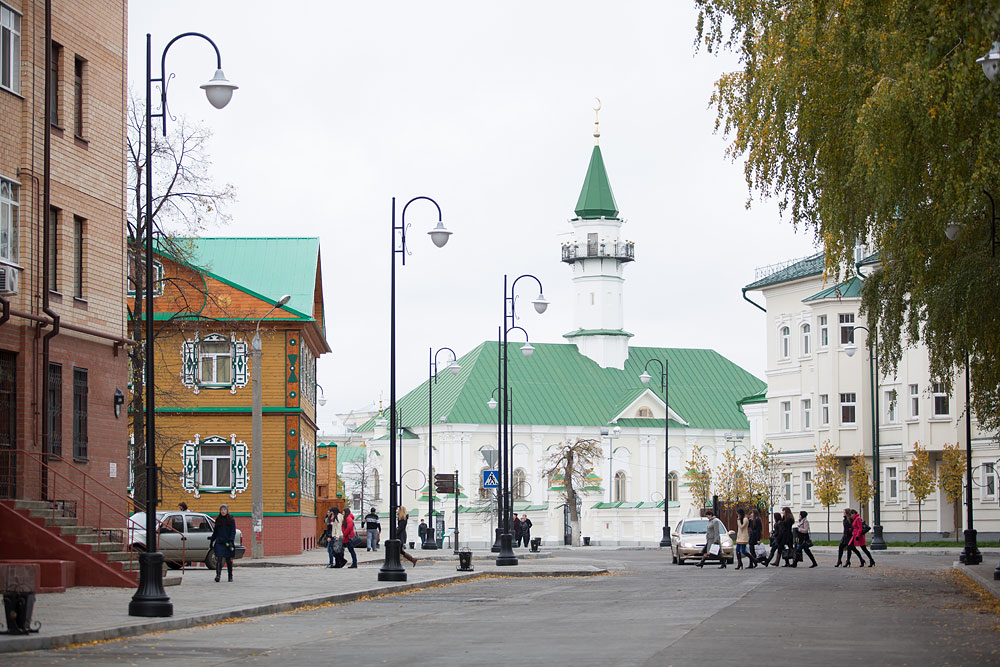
(596, 199)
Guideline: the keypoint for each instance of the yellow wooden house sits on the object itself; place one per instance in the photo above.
(211, 293)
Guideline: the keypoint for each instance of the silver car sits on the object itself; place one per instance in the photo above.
(183, 537)
(688, 539)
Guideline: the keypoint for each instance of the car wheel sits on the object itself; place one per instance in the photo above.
(173, 565)
(210, 561)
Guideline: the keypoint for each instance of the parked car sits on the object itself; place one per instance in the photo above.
(688, 539)
(183, 537)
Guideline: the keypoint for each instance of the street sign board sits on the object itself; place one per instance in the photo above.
(491, 479)
(491, 456)
(445, 483)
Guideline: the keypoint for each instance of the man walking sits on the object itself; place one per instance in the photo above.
(372, 529)
(713, 540)
(349, 535)
(422, 533)
(525, 530)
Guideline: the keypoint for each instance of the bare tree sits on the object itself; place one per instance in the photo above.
(359, 475)
(574, 461)
(185, 199)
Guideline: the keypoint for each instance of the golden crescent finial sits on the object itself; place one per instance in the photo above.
(597, 122)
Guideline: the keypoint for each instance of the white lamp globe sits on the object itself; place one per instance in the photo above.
(951, 230)
(991, 62)
(439, 235)
(527, 349)
(540, 303)
(219, 90)
(492, 403)
(850, 349)
(455, 368)
(644, 378)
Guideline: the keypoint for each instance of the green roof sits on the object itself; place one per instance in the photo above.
(558, 386)
(269, 267)
(404, 434)
(849, 289)
(596, 199)
(645, 422)
(350, 454)
(759, 397)
(597, 332)
(810, 266)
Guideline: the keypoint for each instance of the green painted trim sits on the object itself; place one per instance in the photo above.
(597, 332)
(236, 409)
(163, 317)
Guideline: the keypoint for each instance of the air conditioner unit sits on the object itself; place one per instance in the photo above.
(8, 280)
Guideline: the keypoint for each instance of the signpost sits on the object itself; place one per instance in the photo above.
(491, 479)
(445, 483)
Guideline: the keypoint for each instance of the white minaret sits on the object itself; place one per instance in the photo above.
(597, 255)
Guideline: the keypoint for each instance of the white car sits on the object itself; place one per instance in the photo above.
(183, 537)
(688, 539)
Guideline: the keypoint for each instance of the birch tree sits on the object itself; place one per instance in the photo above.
(951, 480)
(829, 481)
(574, 461)
(920, 480)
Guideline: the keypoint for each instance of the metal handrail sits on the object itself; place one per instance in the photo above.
(614, 250)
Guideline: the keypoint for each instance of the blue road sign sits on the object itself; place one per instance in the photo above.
(491, 479)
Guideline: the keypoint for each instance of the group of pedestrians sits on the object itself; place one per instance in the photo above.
(790, 541)
(522, 530)
(340, 536)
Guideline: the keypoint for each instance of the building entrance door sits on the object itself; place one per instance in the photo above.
(8, 424)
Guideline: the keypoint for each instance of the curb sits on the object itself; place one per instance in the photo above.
(981, 577)
(36, 643)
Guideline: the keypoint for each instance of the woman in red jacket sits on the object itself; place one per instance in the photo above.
(858, 540)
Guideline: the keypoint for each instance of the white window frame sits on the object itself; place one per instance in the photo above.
(849, 403)
(806, 414)
(786, 416)
(157, 280)
(805, 336)
(620, 495)
(807, 487)
(914, 401)
(891, 397)
(9, 223)
(846, 328)
(786, 486)
(203, 463)
(824, 332)
(824, 409)
(892, 483)
(784, 342)
(989, 474)
(938, 392)
(214, 365)
(10, 61)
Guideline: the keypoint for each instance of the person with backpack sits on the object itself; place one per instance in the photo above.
(859, 528)
(372, 529)
(805, 541)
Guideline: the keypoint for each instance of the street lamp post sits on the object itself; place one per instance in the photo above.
(492, 405)
(665, 388)
(150, 598)
(970, 554)
(506, 555)
(391, 569)
(878, 542)
(432, 378)
(257, 446)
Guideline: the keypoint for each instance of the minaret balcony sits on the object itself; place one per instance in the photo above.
(623, 251)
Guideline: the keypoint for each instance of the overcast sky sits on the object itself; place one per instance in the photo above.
(487, 108)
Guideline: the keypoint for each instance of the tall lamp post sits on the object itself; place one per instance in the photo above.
(492, 405)
(506, 555)
(150, 598)
(665, 388)
(878, 542)
(970, 554)
(391, 569)
(432, 377)
(257, 447)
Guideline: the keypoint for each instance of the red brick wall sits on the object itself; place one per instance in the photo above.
(283, 535)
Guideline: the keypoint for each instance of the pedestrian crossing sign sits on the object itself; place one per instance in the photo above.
(491, 479)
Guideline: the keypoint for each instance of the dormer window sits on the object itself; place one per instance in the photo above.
(644, 413)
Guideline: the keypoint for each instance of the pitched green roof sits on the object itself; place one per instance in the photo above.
(558, 386)
(759, 397)
(810, 266)
(596, 199)
(597, 332)
(350, 454)
(849, 289)
(268, 267)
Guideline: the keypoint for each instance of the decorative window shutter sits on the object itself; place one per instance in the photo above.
(189, 364)
(189, 474)
(239, 364)
(241, 473)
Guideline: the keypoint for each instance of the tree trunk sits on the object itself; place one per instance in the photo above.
(920, 522)
(574, 517)
(827, 523)
(957, 505)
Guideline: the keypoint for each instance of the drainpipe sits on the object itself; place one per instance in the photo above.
(46, 189)
(751, 301)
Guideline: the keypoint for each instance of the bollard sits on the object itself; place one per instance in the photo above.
(18, 607)
(465, 560)
(586, 541)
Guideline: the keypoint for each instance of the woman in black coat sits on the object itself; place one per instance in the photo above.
(756, 530)
(845, 539)
(224, 541)
(777, 540)
(788, 536)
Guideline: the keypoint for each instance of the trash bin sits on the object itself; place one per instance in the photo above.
(586, 541)
(465, 560)
(411, 545)
(535, 543)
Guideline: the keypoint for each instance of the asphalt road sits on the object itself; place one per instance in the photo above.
(909, 610)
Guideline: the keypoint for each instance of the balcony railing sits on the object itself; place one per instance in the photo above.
(622, 250)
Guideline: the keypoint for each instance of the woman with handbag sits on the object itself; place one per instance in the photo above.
(335, 545)
(402, 517)
(756, 530)
(777, 539)
(742, 538)
(787, 536)
(858, 540)
(845, 538)
(805, 540)
(223, 541)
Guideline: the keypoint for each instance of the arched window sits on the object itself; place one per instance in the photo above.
(672, 487)
(376, 487)
(484, 493)
(644, 413)
(619, 486)
(806, 339)
(517, 485)
(784, 342)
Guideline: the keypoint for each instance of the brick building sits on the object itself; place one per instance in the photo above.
(213, 292)
(83, 290)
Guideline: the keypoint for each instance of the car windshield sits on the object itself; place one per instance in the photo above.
(694, 527)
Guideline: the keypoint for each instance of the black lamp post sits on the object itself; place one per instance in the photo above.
(970, 554)
(506, 555)
(665, 388)
(150, 598)
(391, 569)
(878, 542)
(492, 404)
(432, 378)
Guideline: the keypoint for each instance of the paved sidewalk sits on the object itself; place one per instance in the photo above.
(86, 614)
